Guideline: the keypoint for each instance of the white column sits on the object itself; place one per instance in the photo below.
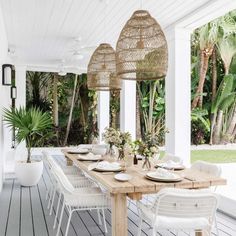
(103, 112)
(20, 78)
(4, 92)
(20, 82)
(128, 107)
(178, 94)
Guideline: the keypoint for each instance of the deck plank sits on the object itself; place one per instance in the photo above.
(37, 212)
(5, 204)
(15, 211)
(27, 227)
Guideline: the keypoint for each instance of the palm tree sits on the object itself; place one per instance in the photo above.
(207, 39)
(227, 49)
(209, 35)
(71, 111)
(224, 99)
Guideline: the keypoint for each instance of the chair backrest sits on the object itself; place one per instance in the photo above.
(206, 167)
(171, 157)
(183, 203)
(57, 173)
(65, 184)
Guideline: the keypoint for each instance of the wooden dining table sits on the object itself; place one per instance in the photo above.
(138, 186)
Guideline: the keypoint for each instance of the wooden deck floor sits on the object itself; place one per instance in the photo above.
(23, 212)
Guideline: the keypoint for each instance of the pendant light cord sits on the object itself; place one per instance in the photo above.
(141, 4)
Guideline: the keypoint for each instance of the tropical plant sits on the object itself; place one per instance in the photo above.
(71, 111)
(30, 125)
(152, 102)
(200, 126)
(224, 99)
(114, 108)
(209, 35)
(36, 89)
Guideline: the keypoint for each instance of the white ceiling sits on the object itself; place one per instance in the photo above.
(41, 32)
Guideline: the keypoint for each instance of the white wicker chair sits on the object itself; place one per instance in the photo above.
(76, 178)
(80, 199)
(76, 182)
(171, 157)
(71, 171)
(206, 167)
(180, 209)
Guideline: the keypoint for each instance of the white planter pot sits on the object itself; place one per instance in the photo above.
(29, 174)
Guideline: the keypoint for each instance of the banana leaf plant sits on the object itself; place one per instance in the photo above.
(30, 124)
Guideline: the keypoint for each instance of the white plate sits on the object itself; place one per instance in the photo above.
(156, 177)
(87, 158)
(123, 177)
(108, 169)
(169, 167)
(78, 151)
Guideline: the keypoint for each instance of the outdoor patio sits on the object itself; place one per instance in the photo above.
(25, 208)
(101, 105)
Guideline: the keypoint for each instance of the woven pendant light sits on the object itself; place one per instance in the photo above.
(141, 50)
(102, 69)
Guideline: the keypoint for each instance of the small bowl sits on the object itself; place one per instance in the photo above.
(123, 177)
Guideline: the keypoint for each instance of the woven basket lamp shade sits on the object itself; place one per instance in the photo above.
(141, 50)
(102, 69)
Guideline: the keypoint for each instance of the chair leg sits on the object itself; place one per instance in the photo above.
(53, 198)
(153, 231)
(58, 204)
(140, 227)
(59, 225)
(50, 197)
(216, 226)
(99, 217)
(104, 221)
(68, 223)
(47, 193)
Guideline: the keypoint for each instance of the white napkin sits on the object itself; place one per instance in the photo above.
(92, 166)
(164, 173)
(103, 165)
(170, 164)
(108, 165)
(88, 156)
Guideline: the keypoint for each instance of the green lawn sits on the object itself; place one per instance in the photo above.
(214, 156)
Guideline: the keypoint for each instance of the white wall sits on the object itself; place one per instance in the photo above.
(128, 107)
(103, 112)
(4, 91)
(178, 94)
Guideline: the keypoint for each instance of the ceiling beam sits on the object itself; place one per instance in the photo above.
(205, 13)
(51, 68)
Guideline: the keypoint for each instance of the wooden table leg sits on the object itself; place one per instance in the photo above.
(119, 215)
(69, 162)
(200, 234)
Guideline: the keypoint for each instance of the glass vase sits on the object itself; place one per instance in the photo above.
(111, 151)
(146, 164)
(121, 154)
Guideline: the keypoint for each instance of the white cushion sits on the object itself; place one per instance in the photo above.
(164, 222)
(91, 197)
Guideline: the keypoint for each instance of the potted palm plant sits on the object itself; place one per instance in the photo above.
(30, 126)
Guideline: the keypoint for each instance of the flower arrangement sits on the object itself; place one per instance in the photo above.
(111, 136)
(124, 145)
(147, 148)
(121, 140)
